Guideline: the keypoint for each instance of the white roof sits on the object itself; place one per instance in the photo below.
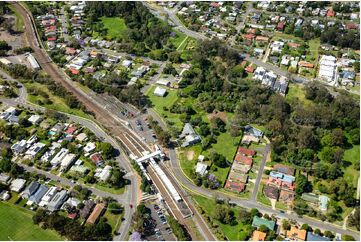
(90, 146)
(201, 168)
(160, 91)
(5, 61)
(67, 160)
(59, 156)
(34, 118)
(81, 136)
(17, 185)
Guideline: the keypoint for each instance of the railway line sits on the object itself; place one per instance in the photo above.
(130, 142)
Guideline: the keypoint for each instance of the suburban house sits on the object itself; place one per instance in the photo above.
(257, 222)
(58, 200)
(38, 195)
(235, 186)
(30, 190)
(160, 92)
(271, 192)
(97, 212)
(201, 168)
(296, 234)
(17, 185)
(258, 236)
(88, 207)
(189, 136)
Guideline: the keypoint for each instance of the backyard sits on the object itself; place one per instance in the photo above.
(16, 224)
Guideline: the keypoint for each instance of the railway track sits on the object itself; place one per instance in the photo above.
(132, 144)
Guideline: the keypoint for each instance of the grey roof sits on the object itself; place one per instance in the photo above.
(57, 200)
(315, 237)
(38, 195)
(88, 206)
(31, 189)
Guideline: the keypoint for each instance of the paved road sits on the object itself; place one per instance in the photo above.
(127, 198)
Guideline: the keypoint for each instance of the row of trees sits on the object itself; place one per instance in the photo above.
(72, 229)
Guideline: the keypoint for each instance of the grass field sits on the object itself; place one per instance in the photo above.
(16, 224)
(178, 39)
(58, 103)
(235, 232)
(352, 155)
(114, 219)
(159, 103)
(19, 23)
(115, 26)
(314, 45)
(297, 92)
(110, 189)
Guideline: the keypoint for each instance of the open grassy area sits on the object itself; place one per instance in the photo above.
(113, 220)
(178, 39)
(226, 145)
(19, 23)
(115, 26)
(297, 92)
(162, 103)
(16, 224)
(110, 189)
(235, 232)
(314, 45)
(279, 36)
(352, 155)
(57, 102)
(188, 165)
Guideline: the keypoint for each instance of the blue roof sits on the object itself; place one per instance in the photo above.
(315, 237)
(254, 131)
(276, 174)
(38, 195)
(288, 178)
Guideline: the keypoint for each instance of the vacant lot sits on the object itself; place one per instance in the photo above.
(16, 224)
(115, 26)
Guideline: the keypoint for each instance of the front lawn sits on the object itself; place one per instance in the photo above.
(16, 224)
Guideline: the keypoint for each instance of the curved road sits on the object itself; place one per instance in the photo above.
(130, 194)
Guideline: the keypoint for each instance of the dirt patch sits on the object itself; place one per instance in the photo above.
(217, 114)
(190, 155)
(16, 41)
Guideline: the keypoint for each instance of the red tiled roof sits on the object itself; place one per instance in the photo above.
(262, 38)
(246, 151)
(249, 68)
(330, 12)
(51, 38)
(74, 71)
(235, 186)
(96, 213)
(351, 26)
(305, 64)
(72, 215)
(244, 159)
(249, 36)
(215, 5)
(280, 25)
(70, 51)
(70, 130)
(293, 44)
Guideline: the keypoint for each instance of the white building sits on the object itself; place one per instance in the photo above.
(59, 156)
(34, 149)
(328, 69)
(160, 92)
(201, 168)
(17, 185)
(34, 119)
(103, 174)
(34, 64)
(67, 161)
(48, 196)
(89, 147)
